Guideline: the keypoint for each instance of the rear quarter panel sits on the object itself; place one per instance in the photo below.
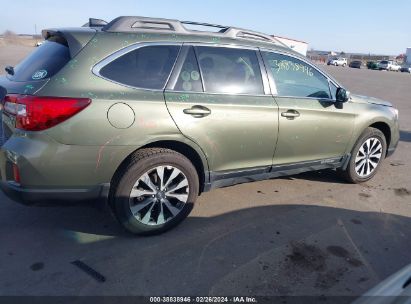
(91, 127)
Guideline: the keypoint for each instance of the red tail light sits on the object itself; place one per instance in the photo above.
(36, 113)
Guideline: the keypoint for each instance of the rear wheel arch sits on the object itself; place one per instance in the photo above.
(186, 150)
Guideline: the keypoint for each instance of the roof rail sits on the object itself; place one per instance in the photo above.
(93, 22)
(136, 23)
(205, 24)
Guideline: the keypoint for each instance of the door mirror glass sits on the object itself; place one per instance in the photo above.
(342, 95)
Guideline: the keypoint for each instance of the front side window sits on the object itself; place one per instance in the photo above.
(146, 67)
(230, 70)
(294, 77)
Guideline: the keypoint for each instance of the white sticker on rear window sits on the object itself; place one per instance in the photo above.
(40, 74)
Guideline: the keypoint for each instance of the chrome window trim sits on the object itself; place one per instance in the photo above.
(309, 98)
(224, 94)
(272, 82)
(117, 54)
(110, 58)
(222, 45)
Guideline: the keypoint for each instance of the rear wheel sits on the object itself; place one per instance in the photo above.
(154, 191)
(366, 156)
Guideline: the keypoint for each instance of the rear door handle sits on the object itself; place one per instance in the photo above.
(290, 114)
(197, 111)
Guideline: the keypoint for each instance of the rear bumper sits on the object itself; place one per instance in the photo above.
(52, 172)
(29, 196)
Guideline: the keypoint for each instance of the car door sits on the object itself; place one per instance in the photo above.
(312, 126)
(219, 98)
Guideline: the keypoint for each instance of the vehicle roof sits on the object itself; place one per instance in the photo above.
(141, 36)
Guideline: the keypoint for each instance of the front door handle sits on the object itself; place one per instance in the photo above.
(197, 111)
(290, 114)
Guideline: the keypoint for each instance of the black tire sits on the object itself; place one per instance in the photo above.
(141, 162)
(350, 173)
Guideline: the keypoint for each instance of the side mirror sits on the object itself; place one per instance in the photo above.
(342, 95)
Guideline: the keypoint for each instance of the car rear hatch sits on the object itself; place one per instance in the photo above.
(30, 75)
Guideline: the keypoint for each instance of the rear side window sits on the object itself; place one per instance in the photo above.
(296, 78)
(189, 79)
(146, 67)
(44, 62)
(230, 70)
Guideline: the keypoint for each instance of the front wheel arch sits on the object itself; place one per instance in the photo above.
(385, 129)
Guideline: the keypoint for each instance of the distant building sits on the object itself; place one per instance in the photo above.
(320, 56)
(324, 56)
(297, 45)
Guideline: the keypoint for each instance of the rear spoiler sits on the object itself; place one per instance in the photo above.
(76, 38)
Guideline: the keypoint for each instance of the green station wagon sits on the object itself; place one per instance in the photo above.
(148, 113)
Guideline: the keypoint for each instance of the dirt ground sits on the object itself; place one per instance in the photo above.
(12, 54)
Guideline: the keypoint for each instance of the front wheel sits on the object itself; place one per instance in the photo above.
(366, 156)
(154, 191)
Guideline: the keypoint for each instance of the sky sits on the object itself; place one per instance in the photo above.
(366, 26)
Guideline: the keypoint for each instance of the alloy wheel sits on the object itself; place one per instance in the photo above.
(368, 157)
(159, 195)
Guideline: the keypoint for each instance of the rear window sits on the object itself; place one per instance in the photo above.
(384, 62)
(44, 62)
(146, 67)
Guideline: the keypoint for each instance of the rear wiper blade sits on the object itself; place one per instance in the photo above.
(10, 70)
